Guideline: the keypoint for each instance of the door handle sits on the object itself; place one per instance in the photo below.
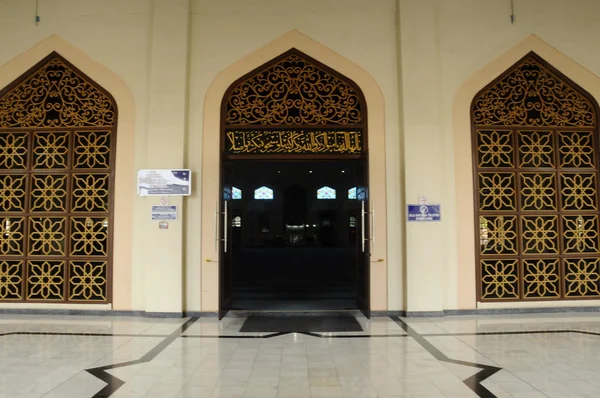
(362, 225)
(225, 229)
(372, 227)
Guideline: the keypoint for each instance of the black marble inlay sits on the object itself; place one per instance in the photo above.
(301, 324)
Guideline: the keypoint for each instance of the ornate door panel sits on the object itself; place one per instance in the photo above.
(535, 146)
(57, 139)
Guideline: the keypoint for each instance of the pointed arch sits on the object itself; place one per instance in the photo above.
(211, 150)
(106, 83)
(578, 77)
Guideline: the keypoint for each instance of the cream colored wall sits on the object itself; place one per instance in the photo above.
(450, 50)
(162, 64)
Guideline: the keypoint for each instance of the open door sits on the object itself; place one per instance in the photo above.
(223, 219)
(364, 238)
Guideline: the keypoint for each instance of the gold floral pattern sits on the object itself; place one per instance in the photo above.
(582, 277)
(87, 281)
(50, 150)
(497, 191)
(45, 280)
(10, 280)
(579, 191)
(540, 234)
(525, 246)
(48, 193)
(11, 236)
(536, 149)
(495, 148)
(12, 193)
(530, 94)
(89, 237)
(499, 279)
(580, 234)
(293, 91)
(92, 150)
(56, 159)
(541, 278)
(576, 149)
(47, 236)
(56, 95)
(501, 235)
(538, 191)
(90, 193)
(13, 150)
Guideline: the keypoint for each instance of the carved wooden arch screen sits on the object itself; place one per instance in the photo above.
(535, 146)
(57, 154)
(294, 106)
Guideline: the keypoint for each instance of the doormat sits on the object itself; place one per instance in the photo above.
(315, 324)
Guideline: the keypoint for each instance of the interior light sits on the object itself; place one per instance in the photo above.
(343, 171)
(310, 171)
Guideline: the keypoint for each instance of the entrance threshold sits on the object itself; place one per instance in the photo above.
(286, 313)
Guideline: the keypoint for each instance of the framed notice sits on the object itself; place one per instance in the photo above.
(165, 182)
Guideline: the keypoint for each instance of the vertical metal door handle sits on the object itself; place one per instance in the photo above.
(225, 226)
(216, 232)
(362, 225)
(372, 227)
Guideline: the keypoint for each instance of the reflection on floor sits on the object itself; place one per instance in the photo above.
(554, 355)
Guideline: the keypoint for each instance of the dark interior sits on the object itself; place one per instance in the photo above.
(296, 250)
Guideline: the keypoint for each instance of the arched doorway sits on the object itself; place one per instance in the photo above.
(293, 144)
(535, 163)
(57, 139)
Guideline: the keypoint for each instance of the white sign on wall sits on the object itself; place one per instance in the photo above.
(166, 182)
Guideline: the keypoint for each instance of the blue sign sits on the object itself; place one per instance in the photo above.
(424, 213)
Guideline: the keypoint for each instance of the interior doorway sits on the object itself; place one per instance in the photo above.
(294, 235)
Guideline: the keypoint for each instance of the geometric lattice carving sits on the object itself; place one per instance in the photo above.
(56, 175)
(580, 234)
(536, 149)
(582, 277)
(87, 281)
(12, 193)
(497, 191)
(535, 157)
(90, 193)
(48, 193)
(495, 148)
(12, 236)
(541, 278)
(531, 94)
(293, 91)
(45, 280)
(47, 236)
(13, 150)
(92, 150)
(50, 150)
(499, 279)
(10, 280)
(89, 237)
(538, 191)
(576, 149)
(502, 235)
(540, 234)
(579, 191)
(56, 96)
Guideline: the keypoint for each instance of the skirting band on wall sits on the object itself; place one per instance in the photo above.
(483, 311)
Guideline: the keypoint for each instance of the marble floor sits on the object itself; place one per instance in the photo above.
(554, 355)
